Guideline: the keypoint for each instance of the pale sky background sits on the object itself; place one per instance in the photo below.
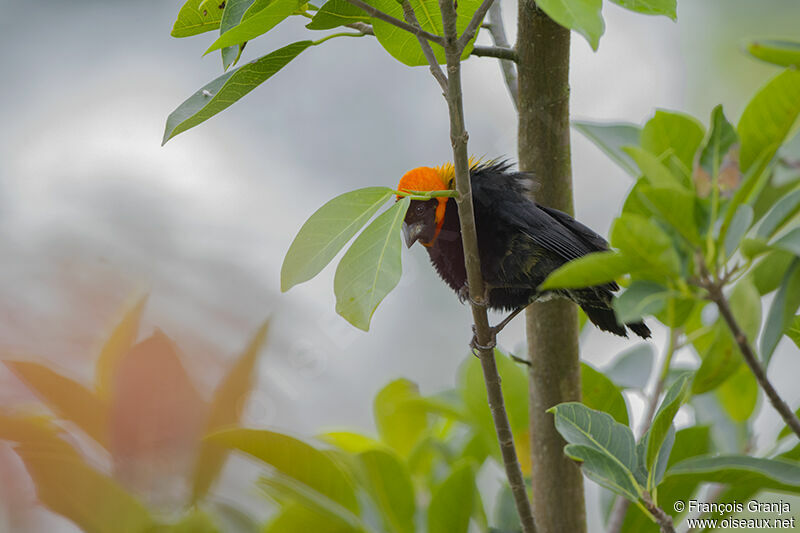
(93, 209)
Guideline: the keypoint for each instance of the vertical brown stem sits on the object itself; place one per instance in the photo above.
(552, 327)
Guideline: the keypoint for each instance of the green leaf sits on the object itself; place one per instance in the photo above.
(783, 210)
(782, 311)
(742, 470)
(720, 140)
(606, 447)
(676, 206)
(327, 231)
(768, 273)
(257, 24)
(231, 16)
(668, 130)
(651, 7)
(118, 344)
(782, 53)
(94, 502)
(789, 242)
(769, 117)
(599, 393)
(222, 92)
(794, 330)
(403, 45)
(610, 138)
(640, 299)
(658, 174)
(400, 423)
(67, 398)
(745, 303)
(583, 16)
(350, 442)
(192, 20)
(632, 367)
(334, 13)
(298, 517)
(371, 268)
(389, 485)
(719, 362)
(739, 394)
(228, 399)
(740, 223)
(452, 503)
(662, 421)
(645, 244)
(295, 459)
(592, 269)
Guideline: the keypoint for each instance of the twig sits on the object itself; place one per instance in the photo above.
(419, 32)
(483, 332)
(363, 27)
(494, 51)
(498, 32)
(617, 518)
(663, 520)
(474, 24)
(716, 295)
(436, 70)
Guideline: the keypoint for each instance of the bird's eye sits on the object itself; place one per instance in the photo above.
(420, 209)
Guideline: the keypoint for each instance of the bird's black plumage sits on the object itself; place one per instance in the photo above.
(520, 243)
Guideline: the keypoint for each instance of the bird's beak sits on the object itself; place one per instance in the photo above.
(412, 232)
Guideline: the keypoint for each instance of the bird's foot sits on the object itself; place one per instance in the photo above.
(477, 347)
(464, 295)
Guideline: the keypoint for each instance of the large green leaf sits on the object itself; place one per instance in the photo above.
(400, 422)
(327, 231)
(782, 311)
(295, 516)
(389, 485)
(769, 117)
(583, 16)
(453, 501)
(231, 17)
(610, 138)
(334, 13)
(783, 211)
(225, 411)
(783, 53)
(295, 459)
(768, 273)
(67, 398)
(631, 368)
(655, 437)
(403, 45)
(720, 140)
(678, 132)
(719, 361)
(640, 299)
(257, 24)
(118, 344)
(605, 447)
(738, 394)
(592, 269)
(732, 235)
(192, 20)
(668, 8)
(789, 241)
(599, 393)
(68, 486)
(371, 268)
(645, 244)
(220, 93)
(652, 168)
(741, 470)
(675, 206)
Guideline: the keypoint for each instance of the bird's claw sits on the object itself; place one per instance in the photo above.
(478, 347)
(463, 295)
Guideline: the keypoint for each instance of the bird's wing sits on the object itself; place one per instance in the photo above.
(586, 234)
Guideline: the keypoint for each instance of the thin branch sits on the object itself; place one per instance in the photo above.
(436, 70)
(716, 295)
(498, 32)
(483, 333)
(363, 27)
(418, 31)
(474, 24)
(617, 518)
(663, 520)
(508, 54)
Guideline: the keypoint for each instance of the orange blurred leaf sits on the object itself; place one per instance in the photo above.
(225, 412)
(122, 338)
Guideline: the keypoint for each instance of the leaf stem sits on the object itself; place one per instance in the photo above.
(428, 195)
(342, 34)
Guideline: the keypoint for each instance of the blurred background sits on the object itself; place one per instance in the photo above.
(94, 212)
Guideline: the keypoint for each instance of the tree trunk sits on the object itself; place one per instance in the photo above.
(552, 327)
